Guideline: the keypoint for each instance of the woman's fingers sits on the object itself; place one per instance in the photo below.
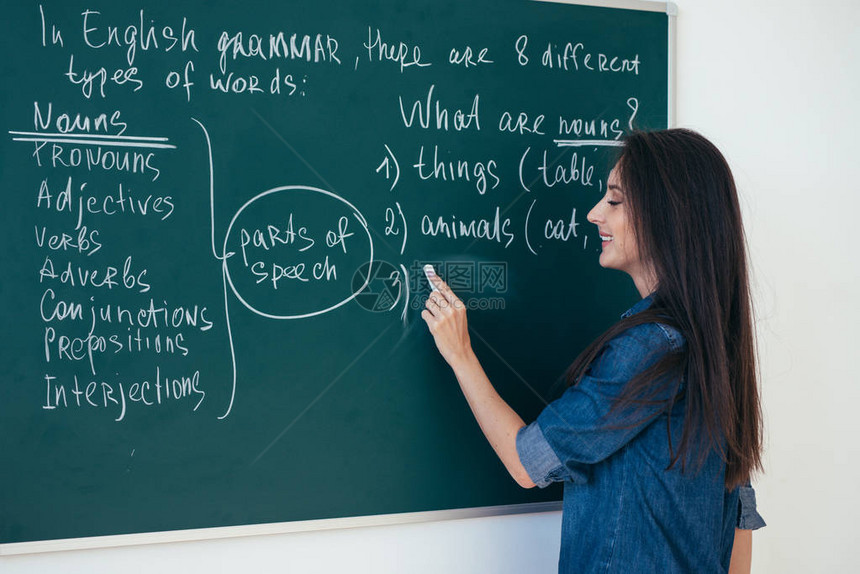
(446, 292)
(431, 306)
(436, 304)
(442, 287)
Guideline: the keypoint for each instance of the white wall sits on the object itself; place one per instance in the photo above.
(776, 85)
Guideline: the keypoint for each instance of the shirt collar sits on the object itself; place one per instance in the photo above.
(639, 306)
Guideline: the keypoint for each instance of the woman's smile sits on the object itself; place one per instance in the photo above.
(605, 239)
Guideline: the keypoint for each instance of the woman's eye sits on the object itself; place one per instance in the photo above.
(610, 202)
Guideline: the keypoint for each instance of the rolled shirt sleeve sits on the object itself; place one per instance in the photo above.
(579, 429)
(748, 516)
(538, 458)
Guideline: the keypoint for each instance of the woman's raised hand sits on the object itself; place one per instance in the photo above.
(445, 314)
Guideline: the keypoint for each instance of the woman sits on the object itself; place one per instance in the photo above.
(659, 432)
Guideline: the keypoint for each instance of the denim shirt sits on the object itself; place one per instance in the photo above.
(623, 511)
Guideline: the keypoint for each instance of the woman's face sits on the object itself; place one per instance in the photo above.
(618, 240)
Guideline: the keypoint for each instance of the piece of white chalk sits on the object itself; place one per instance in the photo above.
(428, 271)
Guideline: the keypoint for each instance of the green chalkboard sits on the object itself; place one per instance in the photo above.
(214, 219)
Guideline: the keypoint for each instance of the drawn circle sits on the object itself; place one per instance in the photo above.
(377, 286)
(227, 255)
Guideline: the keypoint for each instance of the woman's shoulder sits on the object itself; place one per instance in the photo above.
(637, 348)
(655, 329)
(650, 337)
(674, 337)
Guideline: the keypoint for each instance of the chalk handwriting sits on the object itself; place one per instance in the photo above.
(107, 277)
(398, 53)
(317, 48)
(494, 229)
(483, 172)
(142, 35)
(466, 57)
(430, 108)
(574, 57)
(163, 389)
(88, 80)
(65, 123)
(100, 208)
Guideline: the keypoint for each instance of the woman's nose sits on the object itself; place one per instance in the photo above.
(594, 214)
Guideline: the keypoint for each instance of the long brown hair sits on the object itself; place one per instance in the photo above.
(683, 204)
